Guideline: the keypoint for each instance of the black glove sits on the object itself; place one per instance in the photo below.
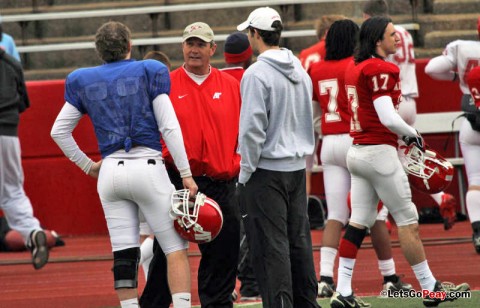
(238, 189)
(417, 141)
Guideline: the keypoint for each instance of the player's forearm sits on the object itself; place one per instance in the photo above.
(61, 133)
(440, 68)
(390, 118)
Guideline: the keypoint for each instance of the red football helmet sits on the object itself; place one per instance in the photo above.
(427, 171)
(198, 219)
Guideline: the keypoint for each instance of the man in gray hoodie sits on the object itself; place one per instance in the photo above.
(276, 133)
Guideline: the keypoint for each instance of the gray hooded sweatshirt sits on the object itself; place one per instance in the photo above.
(276, 126)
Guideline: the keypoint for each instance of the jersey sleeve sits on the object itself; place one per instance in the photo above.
(450, 52)
(72, 93)
(381, 78)
(313, 71)
(159, 78)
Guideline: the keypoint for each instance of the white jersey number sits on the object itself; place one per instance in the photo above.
(330, 87)
(313, 58)
(383, 81)
(353, 102)
(475, 93)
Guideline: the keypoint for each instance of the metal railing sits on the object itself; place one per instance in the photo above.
(159, 9)
(162, 40)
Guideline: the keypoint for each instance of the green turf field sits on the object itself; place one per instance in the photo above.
(474, 301)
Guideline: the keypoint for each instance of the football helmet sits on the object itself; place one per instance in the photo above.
(427, 171)
(199, 219)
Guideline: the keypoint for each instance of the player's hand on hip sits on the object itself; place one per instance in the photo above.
(189, 183)
(95, 169)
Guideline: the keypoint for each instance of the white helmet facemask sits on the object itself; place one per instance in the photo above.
(183, 207)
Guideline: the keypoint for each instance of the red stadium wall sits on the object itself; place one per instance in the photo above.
(63, 197)
(66, 200)
(434, 96)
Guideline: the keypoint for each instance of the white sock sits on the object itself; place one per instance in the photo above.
(146, 255)
(473, 205)
(438, 197)
(182, 300)
(345, 272)
(386, 267)
(327, 261)
(130, 303)
(424, 275)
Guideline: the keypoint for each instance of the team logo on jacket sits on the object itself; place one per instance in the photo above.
(216, 95)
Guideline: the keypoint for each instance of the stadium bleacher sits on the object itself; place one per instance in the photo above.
(63, 28)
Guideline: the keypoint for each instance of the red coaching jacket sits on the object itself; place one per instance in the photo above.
(209, 117)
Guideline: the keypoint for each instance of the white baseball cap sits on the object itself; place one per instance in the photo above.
(261, 18)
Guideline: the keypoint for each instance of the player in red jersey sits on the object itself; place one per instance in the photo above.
(328, 79)
(237, 55)
(308, 56)
(373, 91)
(316, 52)
(404, 58)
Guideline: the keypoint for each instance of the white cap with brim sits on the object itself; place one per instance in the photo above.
(200, 30)
(261, 18)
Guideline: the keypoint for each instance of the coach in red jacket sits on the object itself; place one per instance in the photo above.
(207, 105)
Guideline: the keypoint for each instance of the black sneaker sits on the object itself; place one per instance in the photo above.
(339, 301)
(251, 298)
(325, 289)
(39, 249)
(476, 241)
(445, 287)
(397, 286)
(234, 296)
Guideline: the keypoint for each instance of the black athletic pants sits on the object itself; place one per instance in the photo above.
(274, 210)
(218, 265)
(246, 274)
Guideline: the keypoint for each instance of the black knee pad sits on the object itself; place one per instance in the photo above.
(125, 268)
(355, 235)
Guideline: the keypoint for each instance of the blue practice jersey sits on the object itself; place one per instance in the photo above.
(118, 98)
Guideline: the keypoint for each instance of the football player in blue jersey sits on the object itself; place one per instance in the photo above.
(128, 104)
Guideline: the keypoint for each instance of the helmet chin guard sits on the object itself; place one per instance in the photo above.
(198, 219)
(427, 171)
